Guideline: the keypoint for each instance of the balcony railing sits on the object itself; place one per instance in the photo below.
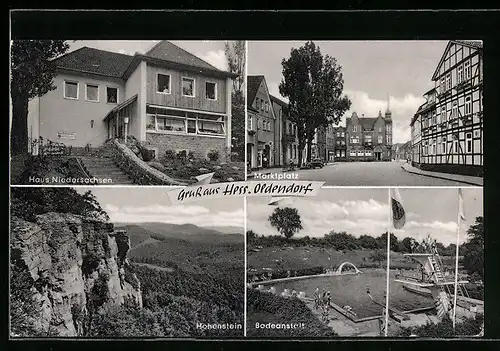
(463, 85)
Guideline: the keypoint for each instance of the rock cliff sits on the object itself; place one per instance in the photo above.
(74, 266)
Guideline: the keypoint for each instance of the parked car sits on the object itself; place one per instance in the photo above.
(316, 163)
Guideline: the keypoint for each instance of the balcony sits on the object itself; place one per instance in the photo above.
(463, 85)
(444, 93)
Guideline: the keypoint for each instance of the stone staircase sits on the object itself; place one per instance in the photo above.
(104, 168)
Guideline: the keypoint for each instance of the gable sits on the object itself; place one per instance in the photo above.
(446, 61)
(167, 51)
(256, 84)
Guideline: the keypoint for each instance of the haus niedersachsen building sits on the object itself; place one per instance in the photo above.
(167, 98)
(447, 130)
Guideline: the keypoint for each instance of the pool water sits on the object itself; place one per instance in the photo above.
(352, 290)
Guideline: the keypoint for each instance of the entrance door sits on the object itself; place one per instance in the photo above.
(378, 156)
(249, 156)
(259, 159)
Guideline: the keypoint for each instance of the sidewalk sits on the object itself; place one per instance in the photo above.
(471, 180)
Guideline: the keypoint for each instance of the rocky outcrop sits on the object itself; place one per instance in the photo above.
(77, 266)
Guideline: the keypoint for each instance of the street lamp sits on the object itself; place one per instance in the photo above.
(126, 120)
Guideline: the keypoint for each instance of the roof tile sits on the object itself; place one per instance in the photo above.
(95, 61)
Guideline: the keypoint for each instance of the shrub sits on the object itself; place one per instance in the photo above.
(170, 155)
(191, 155)
(182, 155)
(213, 155)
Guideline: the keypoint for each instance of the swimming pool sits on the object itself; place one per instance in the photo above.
(352, 290)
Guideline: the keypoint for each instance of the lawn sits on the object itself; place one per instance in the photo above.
(294, 258)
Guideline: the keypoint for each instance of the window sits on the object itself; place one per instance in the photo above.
(337, 153)
(211, 91)
(259, 124)
(159, 119)
(163, 83)
(249, 123)
(460, 74)
(267, 106)
(379, 139)
(388, 128)
(443, 145)
(111, 95)
(354, 128)
(388, 139)
(338, 134)
(191, 126)
(380, 129)
(454, 111)
(262, 105)
(433, 146)
(468, 142)
(151, 122)
(92, 92)
(170, 123)
(448, 81)
(368, 139)
(257, 104)
(352, 153)
(443, 114)
(455, 145)
(355, 140)
(467, 70)
(442, 86)
(187, 87)
(342, 134)
(468, 106)
(71, 90)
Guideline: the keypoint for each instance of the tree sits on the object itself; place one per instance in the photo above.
(313, 84)
(251, 234)
(409, 244)
(286, 220)
(378, 256)
(473, 249)
(382, 240)
(32, 72)
(235, 55)
(367, 242)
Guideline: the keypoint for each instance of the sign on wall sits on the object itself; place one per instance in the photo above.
(66, 135)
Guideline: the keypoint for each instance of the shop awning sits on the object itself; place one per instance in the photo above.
(120, 107)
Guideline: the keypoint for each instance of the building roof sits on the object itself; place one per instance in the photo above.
(112, 64)
(167, 51)
(478, 45)
(278, 101)
(95, 61)
(253, 84)
(365, 122)
(471, 43)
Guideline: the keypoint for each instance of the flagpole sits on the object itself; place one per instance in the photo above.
(388, 265)
(456, 262)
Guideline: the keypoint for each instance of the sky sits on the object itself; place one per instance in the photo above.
(151, 204)
(429, 211)
(210, 51)
(372, 70)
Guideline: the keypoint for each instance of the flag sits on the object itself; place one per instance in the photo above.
(461, 204)
(204, 178)
(398, 211)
